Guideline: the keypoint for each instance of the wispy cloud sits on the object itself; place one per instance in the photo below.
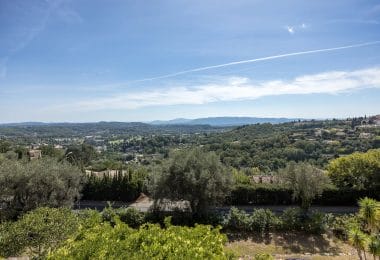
(236, 89)
(293, 28)
(290, 29)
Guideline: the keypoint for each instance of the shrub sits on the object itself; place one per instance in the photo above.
(260, 194)
(104, 241)
(263, 220)
(316, 223)
(340, 225)
(237, 220)
(271, 194)
(291, 219)
(294, 219)
(131, 216)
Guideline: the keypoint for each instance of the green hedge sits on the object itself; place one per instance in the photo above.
(275, 195)
(262, 195)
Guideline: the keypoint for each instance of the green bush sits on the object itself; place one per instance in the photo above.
(263, 220)
(260, 194)
(272, 194)
(131, 216)
(340, 225)
(291, 219)
(104, 241)
(294, 219)
(237, 220)
(316, 223)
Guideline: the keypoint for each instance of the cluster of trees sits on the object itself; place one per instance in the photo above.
(271, 147)
(194, 176)
(126, 185)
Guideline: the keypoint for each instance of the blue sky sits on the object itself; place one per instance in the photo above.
(92, 60)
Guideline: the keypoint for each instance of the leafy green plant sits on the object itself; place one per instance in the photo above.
(37, 232)
(291, 219)
(340, 225)
(358, 239)
(369, 212)
(316, 223)
(237, 220)
(104, 241)
(306, 182)
(263, 220)
(374, 246)
(131, 216)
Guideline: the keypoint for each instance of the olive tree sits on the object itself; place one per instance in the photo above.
(305, 181)
(37, 232)
(27, 185)
(191, 175)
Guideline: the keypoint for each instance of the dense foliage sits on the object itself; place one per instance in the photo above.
(27, 185)
(125, 185)
(305, 181)
(37, 232)
(193, 176)
(357, 170)
(263, 221)
(119, 241)
(270, 147)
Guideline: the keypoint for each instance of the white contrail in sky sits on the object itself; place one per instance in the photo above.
(259, 59)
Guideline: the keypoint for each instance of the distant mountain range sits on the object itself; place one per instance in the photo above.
(224, 121)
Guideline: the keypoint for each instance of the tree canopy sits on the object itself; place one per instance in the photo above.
(357, 170)
(194, 176)
(45, 182)
(306, 182)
